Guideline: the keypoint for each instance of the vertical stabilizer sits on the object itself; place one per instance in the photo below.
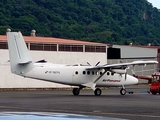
(20, 58)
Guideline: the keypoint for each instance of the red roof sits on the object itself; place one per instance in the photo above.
(36, 39)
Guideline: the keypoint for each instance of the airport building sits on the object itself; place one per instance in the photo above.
(133, 53)
(65, 51)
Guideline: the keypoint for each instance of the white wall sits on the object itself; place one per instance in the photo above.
(136, 52)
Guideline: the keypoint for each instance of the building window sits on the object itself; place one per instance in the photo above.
(73, 48)
(89, 48)
(50, 47)
(43, 47)
(3, 45)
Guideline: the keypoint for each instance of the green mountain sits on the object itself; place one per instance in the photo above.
(106, 21)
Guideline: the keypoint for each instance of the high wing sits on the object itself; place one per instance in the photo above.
(119, 68)
(122, 65)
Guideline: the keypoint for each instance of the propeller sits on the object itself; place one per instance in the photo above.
(124, 67)
(125, 75)
(88, 63)
(97, 63)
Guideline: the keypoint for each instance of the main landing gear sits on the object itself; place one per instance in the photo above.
(76, 91)
(97, 91)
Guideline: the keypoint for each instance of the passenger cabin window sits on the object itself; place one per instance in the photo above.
(84, 72)
(112, 73)
(76, 72)
(3, 45)
(43, 47)
(108, 73)
(100, 73)
(73, 48)
(88, 72)
(92, 72)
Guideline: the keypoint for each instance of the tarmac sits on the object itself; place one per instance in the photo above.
(139, 105)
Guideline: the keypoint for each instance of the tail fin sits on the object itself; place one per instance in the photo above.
(20, 58)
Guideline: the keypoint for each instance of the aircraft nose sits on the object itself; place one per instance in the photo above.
(134, 80)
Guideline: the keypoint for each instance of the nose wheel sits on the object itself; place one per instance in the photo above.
(97, 92)
(123, 91)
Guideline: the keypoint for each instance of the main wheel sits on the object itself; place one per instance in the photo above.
(123, 91)
(76, 91)
(97, 92)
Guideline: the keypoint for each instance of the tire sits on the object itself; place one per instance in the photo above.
(76, 91)
(123, 91)
(154, 93)
(97, 92)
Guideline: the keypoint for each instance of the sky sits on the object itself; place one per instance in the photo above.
(155, 3)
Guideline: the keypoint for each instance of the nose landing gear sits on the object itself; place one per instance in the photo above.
(123, 91)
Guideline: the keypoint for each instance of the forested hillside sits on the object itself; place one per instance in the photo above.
(106, 21)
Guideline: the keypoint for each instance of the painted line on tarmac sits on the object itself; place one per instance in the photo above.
(98, 113)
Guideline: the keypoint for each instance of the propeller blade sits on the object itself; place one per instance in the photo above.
(125, 75)
(97, 63)
(88, 63)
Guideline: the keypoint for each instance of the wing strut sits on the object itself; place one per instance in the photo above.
(92, 84)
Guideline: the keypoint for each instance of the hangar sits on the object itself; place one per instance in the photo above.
(129, 53)
(65, 51)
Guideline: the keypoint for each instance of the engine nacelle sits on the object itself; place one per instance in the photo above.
(119, 71)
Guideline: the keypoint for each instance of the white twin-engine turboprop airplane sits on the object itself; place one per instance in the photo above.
(108, 75)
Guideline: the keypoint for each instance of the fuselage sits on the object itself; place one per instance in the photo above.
(78, 75)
